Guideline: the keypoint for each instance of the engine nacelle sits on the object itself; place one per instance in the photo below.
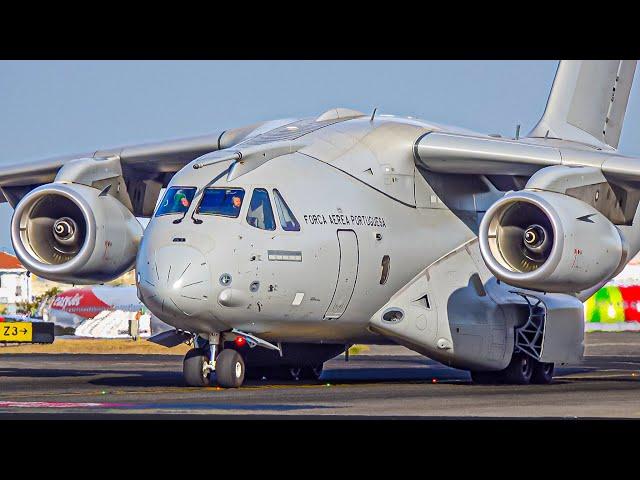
(550, 242)
(70, 233)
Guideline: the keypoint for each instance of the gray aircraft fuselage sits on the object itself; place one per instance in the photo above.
(356, 192)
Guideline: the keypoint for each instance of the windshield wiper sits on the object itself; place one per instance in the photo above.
(178, 220)
(197, 221)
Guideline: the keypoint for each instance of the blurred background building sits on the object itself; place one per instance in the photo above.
(15, 283)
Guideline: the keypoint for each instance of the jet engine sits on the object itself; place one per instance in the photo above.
(550, 242)
(75, 234)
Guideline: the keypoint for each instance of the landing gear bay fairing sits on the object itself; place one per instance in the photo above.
(278, 245)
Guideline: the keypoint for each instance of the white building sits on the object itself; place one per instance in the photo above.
(15, 282)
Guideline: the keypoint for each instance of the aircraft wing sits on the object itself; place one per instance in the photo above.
(565, 167)
(581, 126)
(141, 170)
(154, 157)
(464, 154)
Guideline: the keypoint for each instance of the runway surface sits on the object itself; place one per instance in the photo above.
(381, 382)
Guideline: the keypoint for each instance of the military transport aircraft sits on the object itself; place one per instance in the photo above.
(278, 245)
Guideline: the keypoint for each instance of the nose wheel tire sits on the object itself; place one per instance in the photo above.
(193, 368)
(230, 369)
(542, 373)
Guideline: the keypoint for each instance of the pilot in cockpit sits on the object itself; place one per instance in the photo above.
(180, 199)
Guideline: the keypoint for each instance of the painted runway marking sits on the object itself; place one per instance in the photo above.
(60, 405)
(186, 406)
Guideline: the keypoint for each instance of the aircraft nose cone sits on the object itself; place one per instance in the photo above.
(175, 282)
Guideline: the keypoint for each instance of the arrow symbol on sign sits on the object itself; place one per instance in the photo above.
(24, 330)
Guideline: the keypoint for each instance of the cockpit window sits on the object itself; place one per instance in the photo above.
(221, 201)
(260, 214)
(176, 200)
(287, 219)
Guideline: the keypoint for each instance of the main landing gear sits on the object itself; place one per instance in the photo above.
(204, 363)
(522, 370)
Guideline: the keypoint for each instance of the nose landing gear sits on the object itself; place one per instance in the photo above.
(228, 358)
(207, 363)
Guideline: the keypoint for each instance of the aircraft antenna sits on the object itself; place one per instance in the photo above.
(373, 114)
(518, 132)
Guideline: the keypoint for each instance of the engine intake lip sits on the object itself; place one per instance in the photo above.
(21, 218)
(487, 238)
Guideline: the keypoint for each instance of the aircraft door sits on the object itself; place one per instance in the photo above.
(347, 274)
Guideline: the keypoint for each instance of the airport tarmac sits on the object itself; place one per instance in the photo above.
(381, 382)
